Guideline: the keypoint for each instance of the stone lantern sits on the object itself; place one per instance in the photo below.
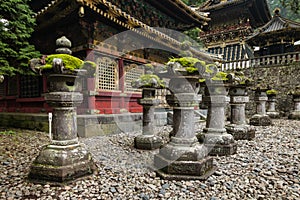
(64, 159)
(295, 114)
(148, 83)
(183, 158)
(214, 135)
(238, 126)
(271, 111)
(260, 118)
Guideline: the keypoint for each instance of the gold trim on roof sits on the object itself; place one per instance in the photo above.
(198, 15)
(114, 12)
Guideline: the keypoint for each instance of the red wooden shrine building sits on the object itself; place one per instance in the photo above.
(88, 24)
(232, 21)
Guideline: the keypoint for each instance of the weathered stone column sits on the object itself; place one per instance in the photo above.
(238, 126)
(183, 158)
(216, 138)
(271, 111)
(148, 140)
(260, 118)
(64, 159)
(295, 114)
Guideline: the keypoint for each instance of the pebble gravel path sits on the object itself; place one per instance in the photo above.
(267, 167)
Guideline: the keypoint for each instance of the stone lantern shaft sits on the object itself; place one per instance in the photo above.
(217, 140)
(148, 140)
(260, 118)
(183, 158)
(238, 126)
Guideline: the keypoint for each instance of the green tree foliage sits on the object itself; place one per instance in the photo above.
(194, 32)
(288, 8)
(16, 26)
(292, 4)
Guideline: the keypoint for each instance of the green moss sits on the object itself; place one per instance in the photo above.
(187, 61)
(209, 68)
(7, 132)
(70, 62)
(148, 67)
(89, 64)
(220, 76)
(191, 69)
(269, 92)
(90, 67)
(189, 64)
(148, 80)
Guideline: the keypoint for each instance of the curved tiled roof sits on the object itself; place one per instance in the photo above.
(118, 16)
(277, 25)
(211, 5)
(258, 10)
(198, 18)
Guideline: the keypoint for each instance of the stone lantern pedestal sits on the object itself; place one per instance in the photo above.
(238, 126)
(183, 158)
(64, 159)
(295, 114)
(148, 140)
(216, 138)
(271, 107)
(260, 118)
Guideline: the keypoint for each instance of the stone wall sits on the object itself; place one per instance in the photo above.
(280, 78)
(87, 125)
(30, 121)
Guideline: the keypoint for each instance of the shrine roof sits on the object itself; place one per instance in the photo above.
(180, 11)
(173, 8)
(258, 10)
(278, 25)
(115, 15)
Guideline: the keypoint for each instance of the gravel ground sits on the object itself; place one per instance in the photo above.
(266, 168)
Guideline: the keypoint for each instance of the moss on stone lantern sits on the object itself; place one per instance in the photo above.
(272, 92)
(295, 92)
(148, 81)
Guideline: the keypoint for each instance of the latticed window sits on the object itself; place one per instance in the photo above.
(30, 86)
(132, 73)
(107, 74)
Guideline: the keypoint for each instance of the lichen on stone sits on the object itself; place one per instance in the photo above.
(192, 65)
(187, 61)
(222, 76)
(148, 81)
(272, 92)
(90, 67)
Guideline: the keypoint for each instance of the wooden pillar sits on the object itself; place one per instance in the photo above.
(123, 107)
(90, 86)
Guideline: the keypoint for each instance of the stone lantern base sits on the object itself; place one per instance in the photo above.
(273, 114)
(183, 163)
(218, 142)
(58, 164)
(260, 120)
(147, 142)
(294, 115)
(222, 149)
(241, 132)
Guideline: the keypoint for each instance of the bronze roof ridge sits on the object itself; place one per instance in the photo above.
(219, 5)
